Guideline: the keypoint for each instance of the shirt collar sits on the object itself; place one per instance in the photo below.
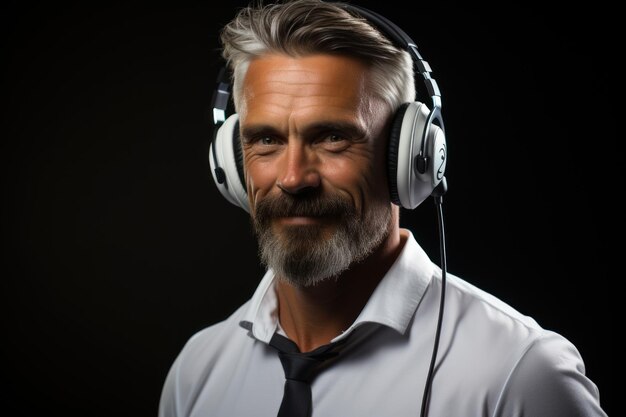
(392, 303)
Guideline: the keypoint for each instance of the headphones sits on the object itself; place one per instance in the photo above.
(417, 150)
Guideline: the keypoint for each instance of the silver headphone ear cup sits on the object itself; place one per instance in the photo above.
(225, 162)
(438, 154)
(412, 187)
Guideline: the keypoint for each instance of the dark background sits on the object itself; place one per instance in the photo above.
(117, 246)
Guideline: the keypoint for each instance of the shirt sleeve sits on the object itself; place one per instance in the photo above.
(549, 381)
(181, 384)
(168, 400)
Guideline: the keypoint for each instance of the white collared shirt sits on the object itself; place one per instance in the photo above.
(492, 360)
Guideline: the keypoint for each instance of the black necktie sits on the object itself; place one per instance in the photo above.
(300, 369)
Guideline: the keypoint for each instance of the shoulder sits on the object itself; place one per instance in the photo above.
(549, 377)
(213, 342)
(499, 328)
(530, 370)
(216, 344)
(484, 303)
(486, 323)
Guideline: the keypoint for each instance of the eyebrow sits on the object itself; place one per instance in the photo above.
(351, 130)
(252, 131)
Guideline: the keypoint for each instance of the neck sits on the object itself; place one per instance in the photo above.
(313, 316)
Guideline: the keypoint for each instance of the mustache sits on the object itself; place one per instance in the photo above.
(287, 205)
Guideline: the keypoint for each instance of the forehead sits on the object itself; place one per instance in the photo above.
(277, 82)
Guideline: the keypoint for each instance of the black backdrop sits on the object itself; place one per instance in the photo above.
(117, 246)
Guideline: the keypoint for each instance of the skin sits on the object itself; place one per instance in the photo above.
(309, 122)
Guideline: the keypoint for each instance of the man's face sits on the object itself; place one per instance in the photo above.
(315, 162)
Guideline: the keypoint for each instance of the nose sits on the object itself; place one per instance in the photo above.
(298, 169)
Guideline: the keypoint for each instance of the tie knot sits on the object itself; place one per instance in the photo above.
(300, 366)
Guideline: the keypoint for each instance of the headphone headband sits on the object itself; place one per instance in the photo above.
(403, 41)
(221, 96)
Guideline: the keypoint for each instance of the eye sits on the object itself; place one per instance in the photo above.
(263, 144)
(263, 140)
(332, 138)
(334, 142)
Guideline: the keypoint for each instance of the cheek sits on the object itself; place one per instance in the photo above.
(363, 178)
(345, 173)
(260, 179)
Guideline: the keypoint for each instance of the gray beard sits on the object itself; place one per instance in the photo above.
(304, 255)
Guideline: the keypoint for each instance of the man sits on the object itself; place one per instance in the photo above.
(318, 91)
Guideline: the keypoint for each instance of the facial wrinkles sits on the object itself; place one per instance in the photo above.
(286, 100)
(333, 105)
(287, 95)
(285, 88)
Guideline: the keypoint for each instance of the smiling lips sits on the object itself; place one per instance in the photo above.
(299, 220)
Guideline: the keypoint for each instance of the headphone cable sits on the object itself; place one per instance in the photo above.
(438, 194)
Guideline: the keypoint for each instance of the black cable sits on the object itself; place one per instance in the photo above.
(442, 250)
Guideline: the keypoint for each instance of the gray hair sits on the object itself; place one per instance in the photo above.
(304, 27)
